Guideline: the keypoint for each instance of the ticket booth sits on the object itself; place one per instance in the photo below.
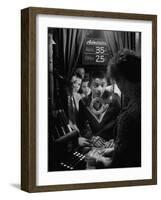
(68, 50)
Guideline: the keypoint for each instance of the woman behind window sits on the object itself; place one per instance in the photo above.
(125, 69)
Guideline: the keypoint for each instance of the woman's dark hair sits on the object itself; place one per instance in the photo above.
(125, 64)
(77, 75)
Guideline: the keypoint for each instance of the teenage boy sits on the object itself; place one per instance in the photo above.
(98, 111)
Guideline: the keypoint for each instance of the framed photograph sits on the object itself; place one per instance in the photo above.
(88, 99)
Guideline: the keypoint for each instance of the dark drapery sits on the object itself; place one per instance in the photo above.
(118, 40)
(69, 45)
(64, 54)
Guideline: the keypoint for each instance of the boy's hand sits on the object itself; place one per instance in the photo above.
(83, 142)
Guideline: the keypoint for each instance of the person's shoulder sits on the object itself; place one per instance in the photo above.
(132, 114)
(135, 111)
(77, 96)
(115, 97)
(85, 100)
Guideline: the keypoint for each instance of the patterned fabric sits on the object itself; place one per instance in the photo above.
(98, 108)
(100, 114)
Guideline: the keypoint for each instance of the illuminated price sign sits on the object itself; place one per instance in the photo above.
(96, 52)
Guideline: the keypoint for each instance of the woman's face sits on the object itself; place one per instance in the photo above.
(76, 84)
(98, 86)
(85, 88)
(81, 71)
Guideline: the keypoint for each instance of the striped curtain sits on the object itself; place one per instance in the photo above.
(70, 42)
(119, 39)
(64, 51)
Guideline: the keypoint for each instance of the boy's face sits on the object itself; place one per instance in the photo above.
(85, 88)
(81, 71)
(98, 86)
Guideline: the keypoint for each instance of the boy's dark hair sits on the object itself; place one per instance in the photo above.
(97, 74)
(86, 79)
(125, 64)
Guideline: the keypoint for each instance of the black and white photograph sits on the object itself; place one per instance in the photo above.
(94, 99)
(89, 99)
